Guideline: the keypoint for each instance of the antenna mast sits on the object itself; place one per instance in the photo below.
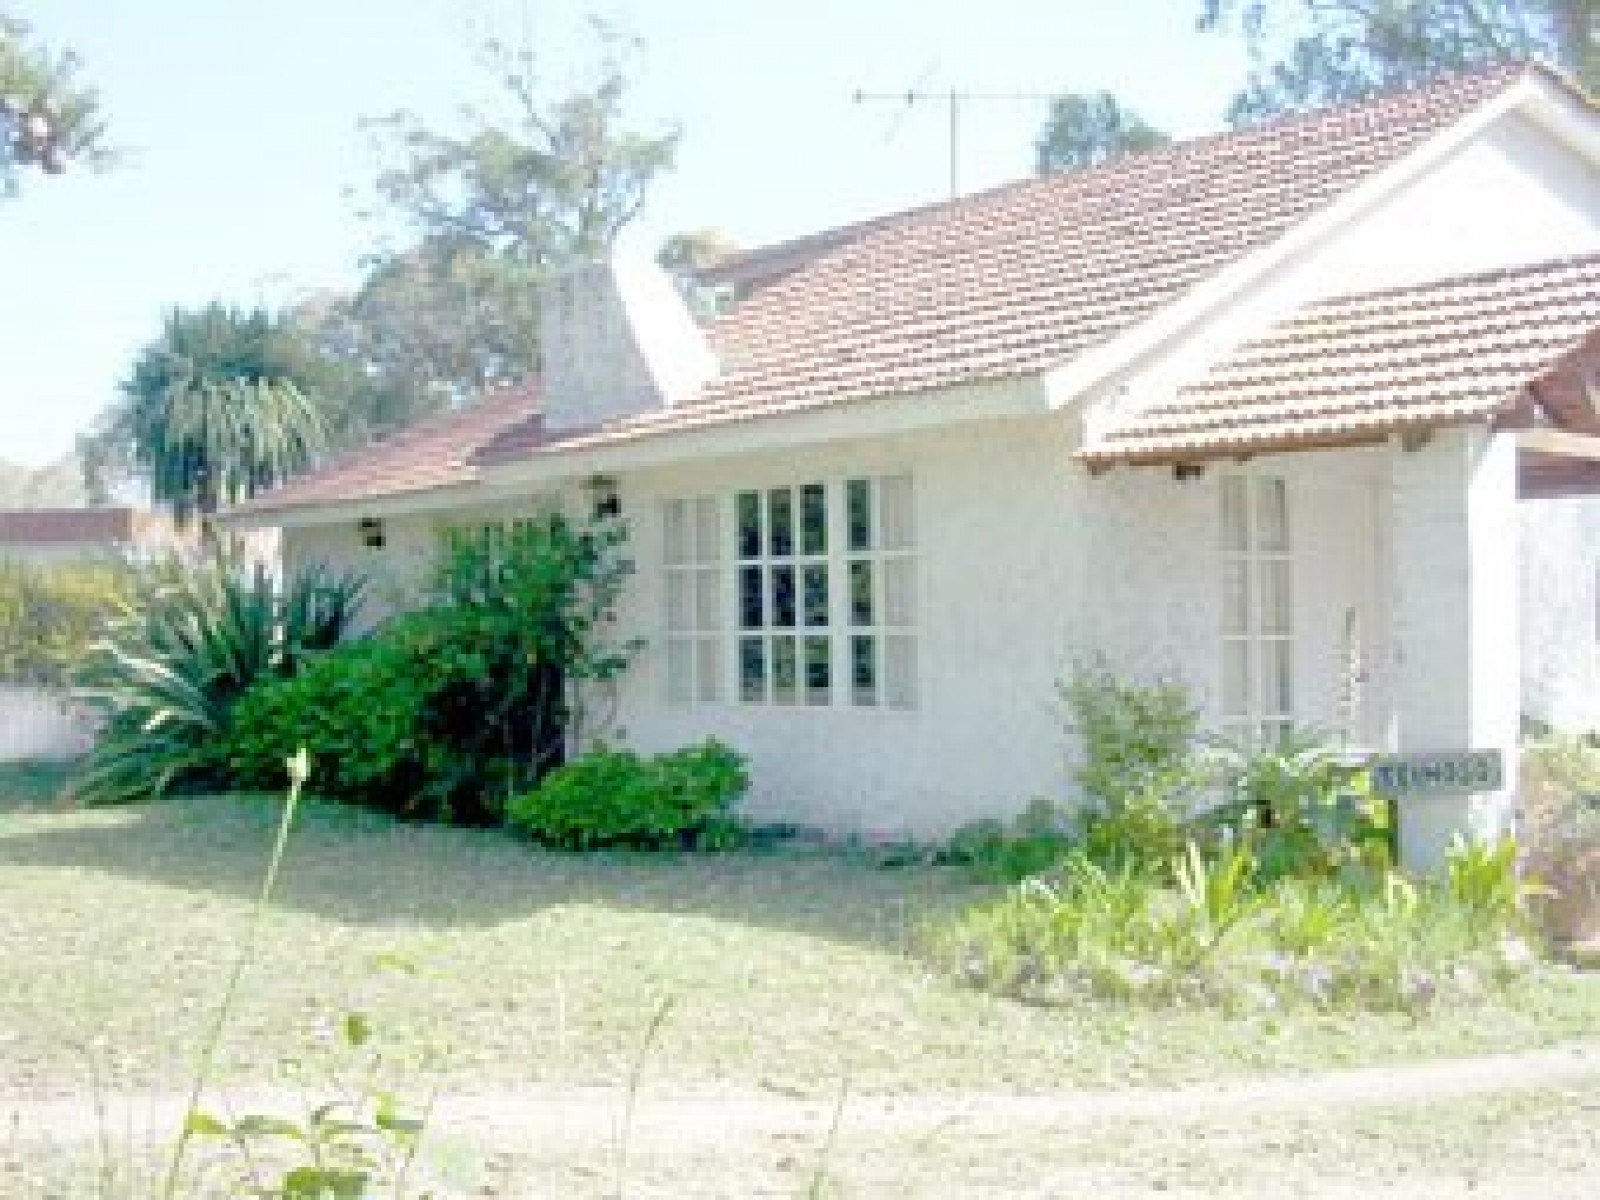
(955, 98)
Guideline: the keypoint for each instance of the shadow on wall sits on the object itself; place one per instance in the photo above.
(41, 723)
(363, 868)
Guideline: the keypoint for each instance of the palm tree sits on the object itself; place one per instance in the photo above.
(217, 409)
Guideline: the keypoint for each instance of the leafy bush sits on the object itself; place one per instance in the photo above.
(1306, 809)
(1560, 826)
(1031, 843)
(617, 798)
(50, 616)
(167, 676)
(447, 712)
(1139, 771)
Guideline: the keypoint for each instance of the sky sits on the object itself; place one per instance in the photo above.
(245, 169)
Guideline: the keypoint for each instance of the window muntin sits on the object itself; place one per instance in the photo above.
(692, 567)
(1257, 697)
(882, 591)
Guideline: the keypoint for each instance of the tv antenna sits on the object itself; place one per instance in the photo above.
(954, 98)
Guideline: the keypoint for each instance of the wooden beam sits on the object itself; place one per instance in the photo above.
(1557, 441)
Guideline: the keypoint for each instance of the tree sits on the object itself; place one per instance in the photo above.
(1311, 53)
(493, 209)
(48, 116)
(1087, 130)
(215, 410)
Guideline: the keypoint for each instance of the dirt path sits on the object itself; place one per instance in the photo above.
(732, 1142)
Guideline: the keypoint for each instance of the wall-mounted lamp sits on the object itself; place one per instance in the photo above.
(371, 532)
(1187, 472)
(604, 499)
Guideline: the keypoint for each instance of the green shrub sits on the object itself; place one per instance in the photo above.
(617, 798)
(1031, 843)
(167, 676)
(447, 712)
(50, 616)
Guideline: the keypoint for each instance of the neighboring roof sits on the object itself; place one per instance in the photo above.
(66, 526)
(1025, 277)
(436, 452)
(1358, 368)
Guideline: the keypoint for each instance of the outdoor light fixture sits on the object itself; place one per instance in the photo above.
(604, 500)
(1186, 472)
(371, 531)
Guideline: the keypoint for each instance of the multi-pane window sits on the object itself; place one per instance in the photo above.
(882, 591)
(691, 555)
(785, 590)
(1257, 609)
(823, 587)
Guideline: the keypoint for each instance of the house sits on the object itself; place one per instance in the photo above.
(1304, 416)
(40, 536)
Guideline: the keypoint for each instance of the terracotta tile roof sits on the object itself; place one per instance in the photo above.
(67, 526)
(1009, 282)
(1023, 278)
(1358, 368)
(436, 452)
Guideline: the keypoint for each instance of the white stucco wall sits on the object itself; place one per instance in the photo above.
(1561, 612)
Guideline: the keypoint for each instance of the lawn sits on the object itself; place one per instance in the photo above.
(786, 969)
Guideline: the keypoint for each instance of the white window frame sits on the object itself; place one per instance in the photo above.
(1256, 544)
(692, 600)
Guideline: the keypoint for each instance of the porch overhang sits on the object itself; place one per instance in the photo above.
(1554, 463)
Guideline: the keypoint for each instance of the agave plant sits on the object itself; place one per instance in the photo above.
(166, 677)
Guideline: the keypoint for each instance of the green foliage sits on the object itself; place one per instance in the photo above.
(1220, 934)
(1487, 882)
(1306, 809)
(1088, 130)
(167, 675)
(1311, 53)
(618, 798)
(214, 411)
(48, 115)
(1031, 843)
(1139, 772)
(51, 615)
(445, 713)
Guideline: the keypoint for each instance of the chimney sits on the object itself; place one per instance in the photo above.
(615, 340)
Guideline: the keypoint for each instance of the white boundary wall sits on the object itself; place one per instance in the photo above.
(38, 722)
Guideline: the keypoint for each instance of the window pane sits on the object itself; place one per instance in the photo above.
(899, 672)
(1235, 677)
(752, 669)
(813, 519)
(785, 671)
(708, 668)
(1235, 596)
(674, 535)
(816, 596)
(1274, 615)
(1277, 697)
(899, 583)
(861, 605)
(1235, 529)
(707, 530)
(1272, 515)
(680, 670)
(863, 670)
(749, 524)
(752, 614)
(819, 671)
(708, 600)
(858, 513)
(783, 598)
(894, 513)
(678, 604)
(780, 517)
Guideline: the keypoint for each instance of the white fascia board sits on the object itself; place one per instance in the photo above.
(1074, 380)
(1019, 396)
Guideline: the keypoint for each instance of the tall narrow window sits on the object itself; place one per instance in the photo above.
(882, 623)
(691, 555)
(784, 586)
(1257, 610)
